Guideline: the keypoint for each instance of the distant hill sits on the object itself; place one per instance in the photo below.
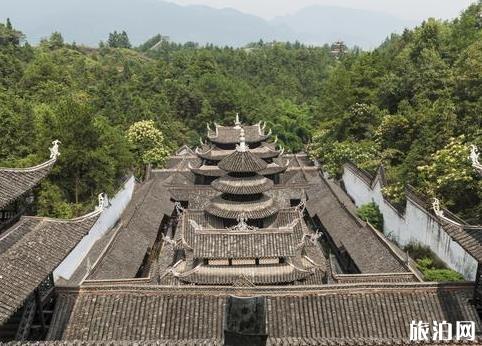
(317, 24)
(89, 21)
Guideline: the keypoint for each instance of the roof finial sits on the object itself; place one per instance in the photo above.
(436, 208)
(54, 150)
(103, 202)
(474, 155)
(237, 123)
(242, 147)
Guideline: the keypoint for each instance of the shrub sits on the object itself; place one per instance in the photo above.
(420, 252)
(371, 213)
(430, 273)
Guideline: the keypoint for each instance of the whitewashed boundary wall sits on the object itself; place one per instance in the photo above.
(109, 217)
(416, 224)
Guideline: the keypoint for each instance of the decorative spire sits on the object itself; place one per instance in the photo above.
(237, 123)
(54, 150)
(242, 147)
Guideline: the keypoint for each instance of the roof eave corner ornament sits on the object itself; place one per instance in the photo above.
(179, 208)
(313, 237)
(474, 157)
(103, 202)
(54, 150)
(195, 225)
(242, 147)
(237, 123)
(436, 208)
(208, 127)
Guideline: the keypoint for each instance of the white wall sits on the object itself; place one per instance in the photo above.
(105, 222)
(416, 225)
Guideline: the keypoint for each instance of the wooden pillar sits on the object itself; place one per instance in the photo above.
(40, 310)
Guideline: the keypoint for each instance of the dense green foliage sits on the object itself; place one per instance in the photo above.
(430, 265)
(413, 105)
(371, 213)
(404, 104)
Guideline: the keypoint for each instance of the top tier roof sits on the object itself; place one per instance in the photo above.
(242, 160)
(230, 134)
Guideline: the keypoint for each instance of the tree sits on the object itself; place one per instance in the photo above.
(147, 142)
(450, 177)
(371, 213)
(118, 40)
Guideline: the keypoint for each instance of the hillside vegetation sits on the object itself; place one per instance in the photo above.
(413, 104)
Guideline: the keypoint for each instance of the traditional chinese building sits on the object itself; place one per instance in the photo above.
(240, 243)
(30, 249)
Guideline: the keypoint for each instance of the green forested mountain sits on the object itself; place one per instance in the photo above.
(410, 104)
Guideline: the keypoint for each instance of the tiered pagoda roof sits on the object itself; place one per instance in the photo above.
(242, 188)
(222, 144)
(229, 134)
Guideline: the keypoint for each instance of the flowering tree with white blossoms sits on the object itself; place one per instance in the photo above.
(148, 142)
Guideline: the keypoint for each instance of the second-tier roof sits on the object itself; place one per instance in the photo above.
(242, 186)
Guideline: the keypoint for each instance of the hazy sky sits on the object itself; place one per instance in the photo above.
(407, 9)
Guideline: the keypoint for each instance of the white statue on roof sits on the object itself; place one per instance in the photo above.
(54, 150)
(436, 208)
(474, 155)
(103, 201)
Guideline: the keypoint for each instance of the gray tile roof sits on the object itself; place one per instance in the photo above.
(256, 275)
(346, 312)
(242, 162)
(230, 135)
(31, 250)
(242, 186)
(139, 229)
(346, 230)
(15, 182)
(218, 244)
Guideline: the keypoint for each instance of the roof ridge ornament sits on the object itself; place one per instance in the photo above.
(242, 224)
(195, 225)
(242, 147)
(54, 150)
(313, 237)
(436, 208)
(179, 208)
(474, 156)
(237, 123)
(103, 201)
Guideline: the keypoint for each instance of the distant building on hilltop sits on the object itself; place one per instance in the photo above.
(338, 49)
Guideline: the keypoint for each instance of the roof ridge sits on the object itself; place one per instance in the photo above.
(30, 169)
